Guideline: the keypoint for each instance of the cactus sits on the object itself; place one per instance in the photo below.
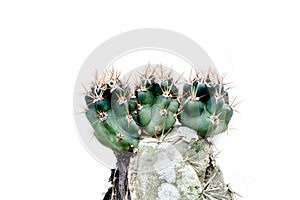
(156, 101)
(205, 104)
(109, 114)
(128, 117)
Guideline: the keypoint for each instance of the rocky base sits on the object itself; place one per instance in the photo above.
(179, 167)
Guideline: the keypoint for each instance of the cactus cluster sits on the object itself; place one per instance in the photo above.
(121, 111)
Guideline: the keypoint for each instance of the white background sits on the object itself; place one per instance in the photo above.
(42, 47)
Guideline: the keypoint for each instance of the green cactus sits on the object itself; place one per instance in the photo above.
(157, 103)
(118, 113)
(205, 104)
(109, 113)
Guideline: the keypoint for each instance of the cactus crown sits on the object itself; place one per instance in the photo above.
(121, 112)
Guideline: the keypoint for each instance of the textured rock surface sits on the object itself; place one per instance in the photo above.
(179, 167)
(159, 172)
